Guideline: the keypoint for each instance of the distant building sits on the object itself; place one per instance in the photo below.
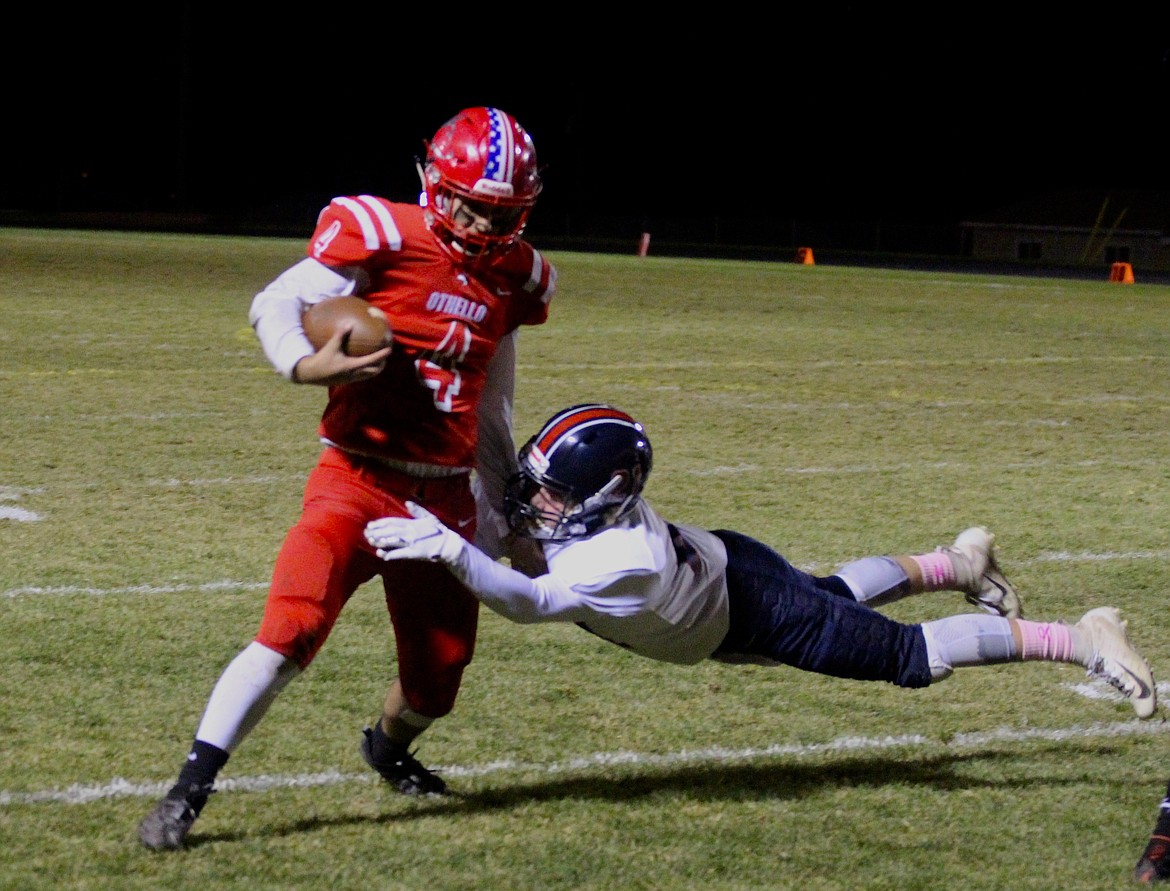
(1079, 228)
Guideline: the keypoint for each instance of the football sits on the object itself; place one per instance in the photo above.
(370, 330)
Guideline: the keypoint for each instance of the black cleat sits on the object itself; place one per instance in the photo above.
(166, 827)
(401, 770)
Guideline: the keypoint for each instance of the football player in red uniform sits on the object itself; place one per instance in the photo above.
(410, 422)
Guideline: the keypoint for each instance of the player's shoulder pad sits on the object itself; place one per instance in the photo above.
(352, 224)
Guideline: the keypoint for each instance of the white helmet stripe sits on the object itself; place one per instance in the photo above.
(577, 428)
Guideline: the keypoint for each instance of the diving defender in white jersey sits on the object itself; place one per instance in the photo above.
(680, 593)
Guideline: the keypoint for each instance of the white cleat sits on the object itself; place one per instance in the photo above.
(1116, 662)
(977, 573)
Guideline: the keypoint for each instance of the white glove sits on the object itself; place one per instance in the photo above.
(422, 538)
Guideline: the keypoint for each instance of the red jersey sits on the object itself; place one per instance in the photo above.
(446, 324)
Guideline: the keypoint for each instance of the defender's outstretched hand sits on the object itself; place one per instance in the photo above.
(422, 536)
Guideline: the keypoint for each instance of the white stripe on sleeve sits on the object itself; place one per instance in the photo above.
(392, 238)
(364, 220)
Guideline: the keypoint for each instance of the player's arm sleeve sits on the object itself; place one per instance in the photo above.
(514, 595)
(496, 454)
(275, 314)
(541, 285)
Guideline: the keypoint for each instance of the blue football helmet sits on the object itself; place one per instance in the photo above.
(594, 458)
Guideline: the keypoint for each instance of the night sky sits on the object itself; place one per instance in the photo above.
(842, 112)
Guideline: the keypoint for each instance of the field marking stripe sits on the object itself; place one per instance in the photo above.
(66, 590)
(1038, 560)
(109, 372)
(14, 493)
(17, 493)
(743, 467)
(231, 585)
(959, 362)
(123, 788)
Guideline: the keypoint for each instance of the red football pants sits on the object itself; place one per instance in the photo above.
(325, 558)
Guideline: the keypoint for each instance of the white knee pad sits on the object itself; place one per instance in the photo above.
(940, 667)
(968, 639)
(871, 577)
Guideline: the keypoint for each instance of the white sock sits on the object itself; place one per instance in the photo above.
(242, 695)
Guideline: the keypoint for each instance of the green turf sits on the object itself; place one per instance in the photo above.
(833, 412)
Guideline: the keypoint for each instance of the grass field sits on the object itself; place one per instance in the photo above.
(152, 463)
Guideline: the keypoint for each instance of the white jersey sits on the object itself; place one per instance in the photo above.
(631, 583)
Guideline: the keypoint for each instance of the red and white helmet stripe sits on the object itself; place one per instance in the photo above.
(568, 423)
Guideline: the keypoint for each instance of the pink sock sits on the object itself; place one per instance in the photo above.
(938, 573)
(1050, 641)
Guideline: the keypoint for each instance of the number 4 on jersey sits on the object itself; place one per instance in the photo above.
(440, 371)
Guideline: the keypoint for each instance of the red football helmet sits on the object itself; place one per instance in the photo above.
(480, 183)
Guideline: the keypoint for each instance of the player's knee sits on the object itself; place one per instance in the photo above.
(433, 695)
(294, 628)
(305, 597)
(432, 704)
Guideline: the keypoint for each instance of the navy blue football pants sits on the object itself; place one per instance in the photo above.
(813, 623)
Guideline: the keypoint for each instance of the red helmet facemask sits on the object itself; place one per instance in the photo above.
(480, 182)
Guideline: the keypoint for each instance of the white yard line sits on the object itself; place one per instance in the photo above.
(830, 469)
(122, 788)
(83, 590)
(236, 585)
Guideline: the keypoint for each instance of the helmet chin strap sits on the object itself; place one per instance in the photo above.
(602, 495)
(598, 499)
(422, 181)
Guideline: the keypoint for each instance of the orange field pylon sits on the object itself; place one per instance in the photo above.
(1121, 272)
(805, 255)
